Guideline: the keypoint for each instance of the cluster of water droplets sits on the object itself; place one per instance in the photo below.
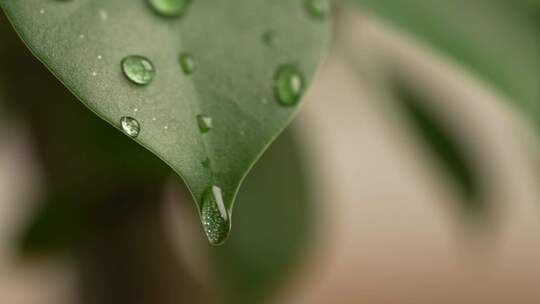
(288, 85)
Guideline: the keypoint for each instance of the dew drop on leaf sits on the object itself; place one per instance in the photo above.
(214, 216)
(130, 126)
(205, 123)
(186, 63)
(317, 8)
(206, 163)
(269, 38)
(170, 8)
(289, 85)
(138, 69)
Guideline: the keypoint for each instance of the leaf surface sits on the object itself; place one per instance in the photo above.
(236, 47)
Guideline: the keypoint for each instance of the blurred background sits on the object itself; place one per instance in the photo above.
(409, 177)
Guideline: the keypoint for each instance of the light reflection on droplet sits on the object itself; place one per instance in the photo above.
(103, 14)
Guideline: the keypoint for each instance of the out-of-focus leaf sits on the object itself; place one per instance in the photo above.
(128, 256)
(498, 40)
(444, 147)
(83, 43)
(83, 160)
(56, 227)
(272, 225)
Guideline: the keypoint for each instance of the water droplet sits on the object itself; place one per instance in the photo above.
(205, 123)
(130, 126)
(318, 8)
(215, 218)
(99, 57)
(138, 69)
(269, 38)
(42, 11)
(136, 110)
(170, 8)
(206, 163)
(166, 127)
(186, 63)
(154, 119)
(289, 85)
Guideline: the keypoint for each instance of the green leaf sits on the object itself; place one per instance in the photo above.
(444, 146)
(56, 227)
(232, 78)
(498, 40)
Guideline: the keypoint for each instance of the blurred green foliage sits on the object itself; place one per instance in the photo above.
(441, 140)
(497, 40)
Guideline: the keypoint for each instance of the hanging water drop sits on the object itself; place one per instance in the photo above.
(170, 8)
(130, 126)
(187, 64)
(204, 122)
(317, 8)
(214, 216)
(289, 85)
(138, 69)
